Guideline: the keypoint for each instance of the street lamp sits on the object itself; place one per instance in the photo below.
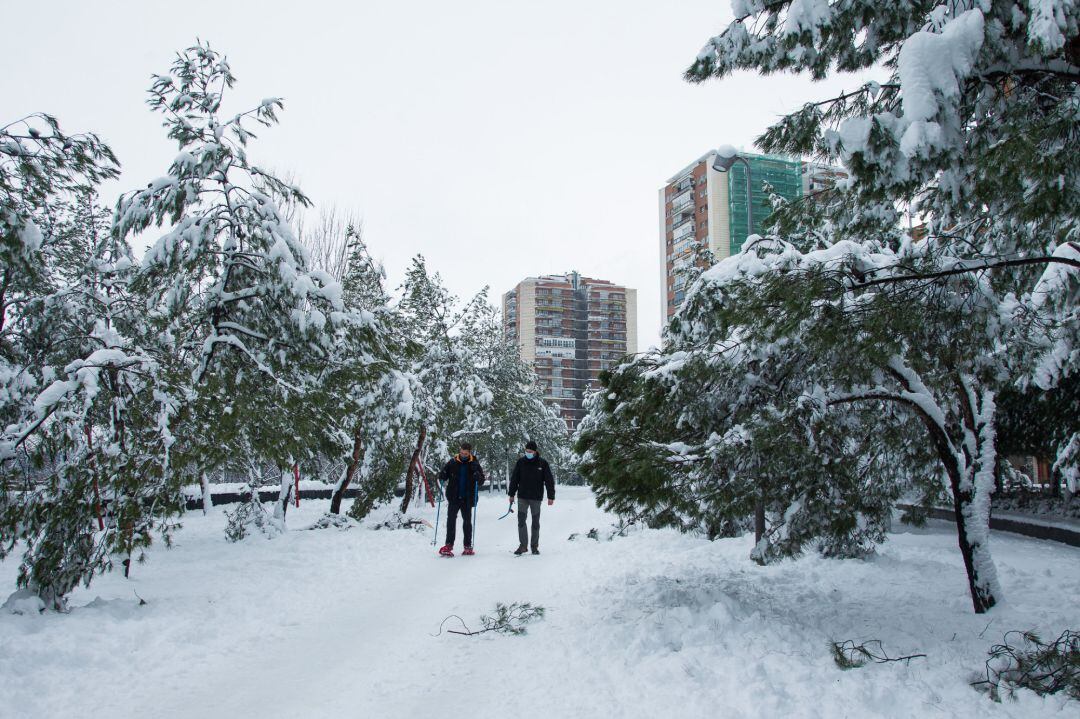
(726, 157)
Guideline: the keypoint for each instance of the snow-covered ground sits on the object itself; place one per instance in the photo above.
(656, 624)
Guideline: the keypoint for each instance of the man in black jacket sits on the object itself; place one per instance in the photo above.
(464, 478)
(531, 477)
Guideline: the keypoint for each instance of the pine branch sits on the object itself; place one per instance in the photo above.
(1043, 667)
(849, 655)
(507, 619)
(988, 265)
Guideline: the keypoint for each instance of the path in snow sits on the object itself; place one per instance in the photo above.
(332, 624)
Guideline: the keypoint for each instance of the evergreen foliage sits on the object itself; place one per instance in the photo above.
(843, 361)
(1031, 663)
(231, 349)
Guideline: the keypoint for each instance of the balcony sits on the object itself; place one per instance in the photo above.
(682, 221)
(680, 202)
(685, 230)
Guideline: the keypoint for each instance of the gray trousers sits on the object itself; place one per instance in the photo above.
(524, 505)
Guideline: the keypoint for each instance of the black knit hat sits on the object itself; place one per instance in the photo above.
(531, 445)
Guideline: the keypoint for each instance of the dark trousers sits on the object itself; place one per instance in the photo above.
(451, 522)
(525, 506)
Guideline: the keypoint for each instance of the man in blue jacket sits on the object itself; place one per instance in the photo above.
(464, 478)
(531, 476)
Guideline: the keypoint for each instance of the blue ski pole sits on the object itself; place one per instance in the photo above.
(475, 502)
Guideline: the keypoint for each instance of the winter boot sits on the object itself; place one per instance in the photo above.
(520, 550)
(468, 552)
(446, 551)
(535, 550)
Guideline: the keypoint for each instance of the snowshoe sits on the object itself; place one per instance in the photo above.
(446, 551)
(468, 552)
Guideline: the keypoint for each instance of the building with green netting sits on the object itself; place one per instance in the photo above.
(703, 205)
(782, 174)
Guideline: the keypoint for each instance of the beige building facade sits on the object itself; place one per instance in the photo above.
(570, 328)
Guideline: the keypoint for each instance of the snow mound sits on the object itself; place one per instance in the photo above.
(333, 521)
(684, 625)
(677, 614)
(24, 601)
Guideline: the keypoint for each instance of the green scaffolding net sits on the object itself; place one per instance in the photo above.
(786, 179)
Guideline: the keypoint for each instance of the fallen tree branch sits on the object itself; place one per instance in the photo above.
(849, 655)
(506, 620)
(1043, 667)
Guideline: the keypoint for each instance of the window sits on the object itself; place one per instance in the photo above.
(554, 342)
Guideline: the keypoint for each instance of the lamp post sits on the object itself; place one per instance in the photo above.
(726, 157)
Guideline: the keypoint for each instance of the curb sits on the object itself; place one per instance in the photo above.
(1012, 525)
(265, 495)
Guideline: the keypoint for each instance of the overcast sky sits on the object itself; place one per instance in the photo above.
(499, 138)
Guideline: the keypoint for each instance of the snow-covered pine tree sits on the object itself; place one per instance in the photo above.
(845, 360)
(700, 437)
(452, 397)
(40, 166)
(228, 288)
(974, 133)
(85, 411)
(90, 455)
(367, 387)
(615, 448)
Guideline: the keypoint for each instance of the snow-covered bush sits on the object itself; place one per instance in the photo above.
(250, 517)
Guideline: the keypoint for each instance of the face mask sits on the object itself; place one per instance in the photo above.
(530, 455)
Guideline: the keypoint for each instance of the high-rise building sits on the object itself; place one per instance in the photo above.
(704, 205)
(569, 328)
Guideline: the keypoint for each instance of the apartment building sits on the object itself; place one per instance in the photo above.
(569, 328)
(700, 204)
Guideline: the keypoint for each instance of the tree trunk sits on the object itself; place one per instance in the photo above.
(1043, 469)
(93, 468)
(759, 520)
(970, 461)
(971, 483)
(975, 553)
(347, 475)
(284, 495)
(207, 498)
(412, 470)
